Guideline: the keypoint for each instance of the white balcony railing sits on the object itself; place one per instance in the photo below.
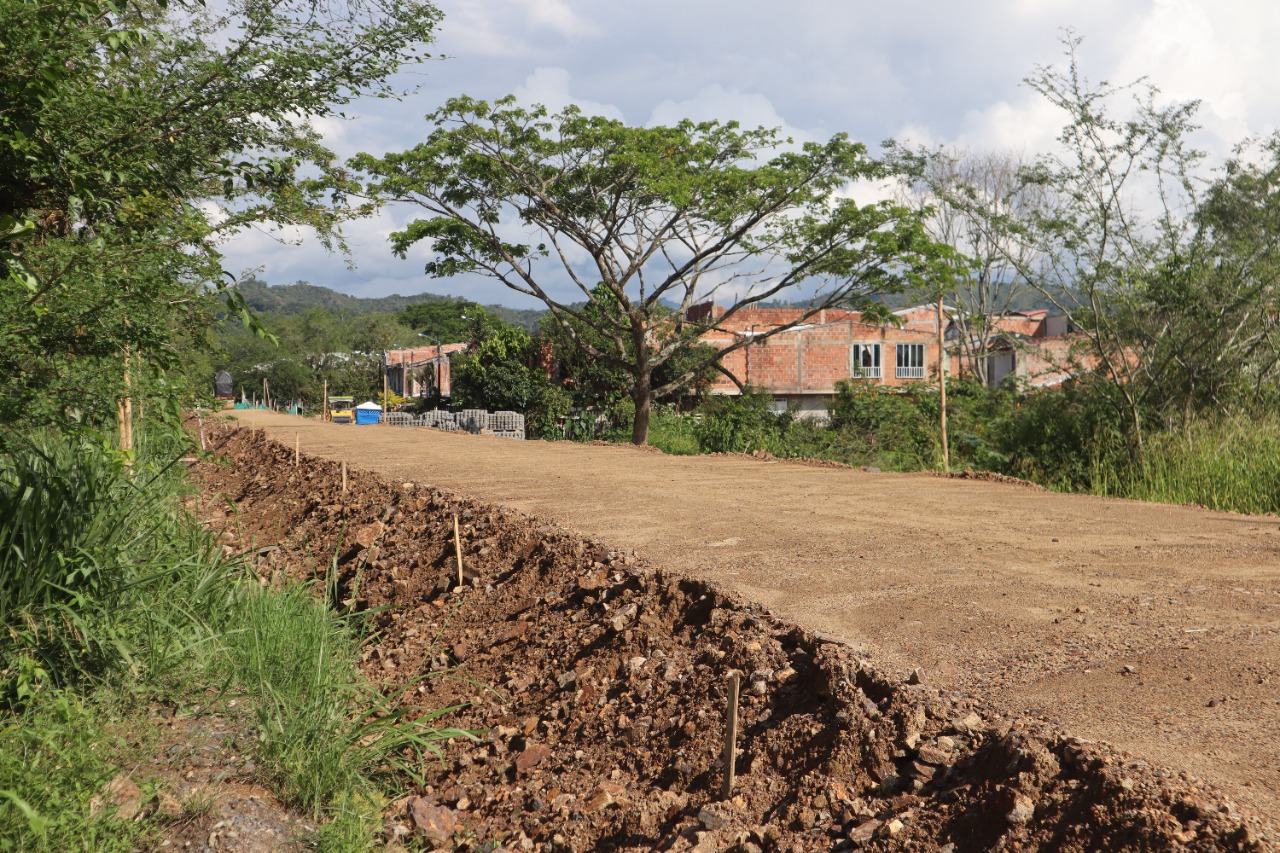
(911, 373)
(866, 373)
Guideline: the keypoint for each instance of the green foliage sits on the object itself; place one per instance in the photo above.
(597, 383)
(673, 432)
(79, 538)
(1229, 463)
(501, 371)
(1063, 437)
(891, 425)
(741, 424)
(113, 596)
(495, 373)
(301, 297)
(323, 729)
(133, 138)
(441, 321)
(53, 759)
(310, 348)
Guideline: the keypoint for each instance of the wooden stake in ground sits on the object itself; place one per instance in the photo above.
(457, 547)
(124, 412)
(730, 735)
(297, 443)
(344, 476)
(324, 412)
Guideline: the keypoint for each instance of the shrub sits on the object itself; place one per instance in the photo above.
(1062, 437)
(741, 424)
(900, 430)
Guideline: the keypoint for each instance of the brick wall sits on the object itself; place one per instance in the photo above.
(811, 360)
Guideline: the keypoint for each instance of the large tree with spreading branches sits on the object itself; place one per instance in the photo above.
(621, 230)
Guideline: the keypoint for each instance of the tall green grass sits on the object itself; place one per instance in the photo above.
(1232, 463)
(324, 730)
(112, 597)
(80, 540)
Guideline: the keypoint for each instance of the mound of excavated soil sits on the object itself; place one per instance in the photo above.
(600, 686)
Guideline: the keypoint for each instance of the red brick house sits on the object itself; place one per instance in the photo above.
(802, 365)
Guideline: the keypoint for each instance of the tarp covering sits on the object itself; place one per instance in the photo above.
(222, 384)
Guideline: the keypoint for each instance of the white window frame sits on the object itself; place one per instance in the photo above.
(872, 371)
(910, 361)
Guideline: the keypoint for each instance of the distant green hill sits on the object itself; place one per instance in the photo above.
(303, 296)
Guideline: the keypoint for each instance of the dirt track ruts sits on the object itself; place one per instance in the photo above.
(1152, 627)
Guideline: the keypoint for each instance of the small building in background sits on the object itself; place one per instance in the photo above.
(421, 371)
(802, 365)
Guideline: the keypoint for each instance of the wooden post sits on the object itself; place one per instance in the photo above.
(344, 476)
(124, 412)
(457, 547)
(324, 412)
(730, 735)
(383, 422)
(297, 443)
(942, 388)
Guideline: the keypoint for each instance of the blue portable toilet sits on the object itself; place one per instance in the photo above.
(368, 413)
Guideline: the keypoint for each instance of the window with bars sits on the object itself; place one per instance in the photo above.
(866, 361)
(910, 361)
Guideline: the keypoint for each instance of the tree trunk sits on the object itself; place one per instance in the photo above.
(642, 394)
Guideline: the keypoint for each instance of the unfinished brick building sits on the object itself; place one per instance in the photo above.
(803, 364)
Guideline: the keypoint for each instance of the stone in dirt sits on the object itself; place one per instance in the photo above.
(438, 824)
(1021, 812)
(369, 533)
(713, 817)
(532, 757)
(864, 832)
(606, 794)
(512, 632)
(121, 795)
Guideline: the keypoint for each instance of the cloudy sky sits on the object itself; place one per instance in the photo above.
(927, 71)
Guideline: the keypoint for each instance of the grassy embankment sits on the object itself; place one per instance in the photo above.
(115, 603)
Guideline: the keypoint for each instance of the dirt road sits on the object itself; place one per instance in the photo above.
(1153, 627)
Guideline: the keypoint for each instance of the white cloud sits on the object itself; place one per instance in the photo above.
(550, 87)
(719, 103)
(931, 71)
(559, 17)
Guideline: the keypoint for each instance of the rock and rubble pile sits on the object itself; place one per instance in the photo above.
(597, 685)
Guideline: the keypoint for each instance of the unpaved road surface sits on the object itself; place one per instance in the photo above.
(1149, 626)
